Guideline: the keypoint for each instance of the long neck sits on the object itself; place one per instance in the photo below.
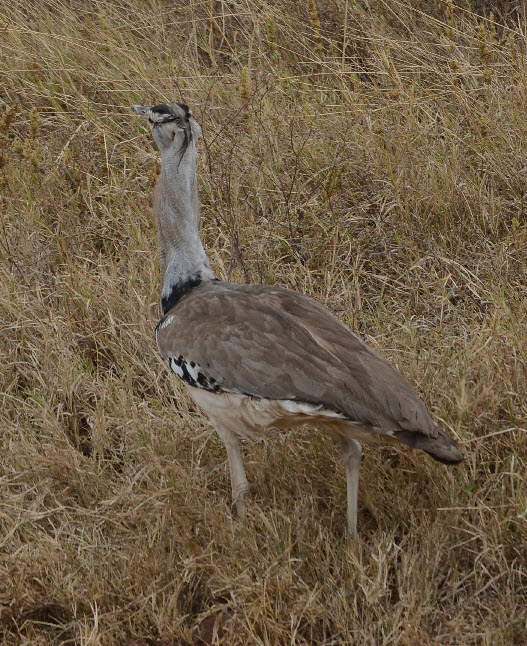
(183, 260)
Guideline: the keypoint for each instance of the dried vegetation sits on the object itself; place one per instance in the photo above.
(370, 153)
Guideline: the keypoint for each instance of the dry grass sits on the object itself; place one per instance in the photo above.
(374, 160)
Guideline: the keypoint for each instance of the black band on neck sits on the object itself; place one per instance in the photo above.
(178, 291)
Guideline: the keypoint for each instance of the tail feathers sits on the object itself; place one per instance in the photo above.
(442, 448)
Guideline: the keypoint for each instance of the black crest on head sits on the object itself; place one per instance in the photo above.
(162, 108)
(186, 110)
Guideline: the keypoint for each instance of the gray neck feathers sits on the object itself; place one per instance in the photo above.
(176, 205)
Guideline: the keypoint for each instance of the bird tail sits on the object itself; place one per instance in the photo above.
(442, 448)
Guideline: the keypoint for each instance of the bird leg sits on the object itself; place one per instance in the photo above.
(239, 484)
(351, 456)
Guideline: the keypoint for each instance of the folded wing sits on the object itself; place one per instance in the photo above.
(270, 342)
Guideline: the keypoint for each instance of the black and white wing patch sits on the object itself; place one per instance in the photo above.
(192, 374)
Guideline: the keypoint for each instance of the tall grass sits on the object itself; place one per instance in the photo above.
(369, 154)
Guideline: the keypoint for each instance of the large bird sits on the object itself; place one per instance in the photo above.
(260, 356)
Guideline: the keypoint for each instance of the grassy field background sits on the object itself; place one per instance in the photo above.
(369, 153)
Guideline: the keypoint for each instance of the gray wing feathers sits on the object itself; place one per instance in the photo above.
(274, 343)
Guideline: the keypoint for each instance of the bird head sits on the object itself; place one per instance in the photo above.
(172, 126)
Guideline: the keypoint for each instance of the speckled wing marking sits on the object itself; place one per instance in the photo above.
(272, 343)
(192, 374)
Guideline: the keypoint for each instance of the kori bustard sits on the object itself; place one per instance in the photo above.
(260, 356)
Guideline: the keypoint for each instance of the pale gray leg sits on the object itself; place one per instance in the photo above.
(239, 484)
(351, 456)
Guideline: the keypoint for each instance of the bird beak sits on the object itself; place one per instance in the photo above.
(141, 109)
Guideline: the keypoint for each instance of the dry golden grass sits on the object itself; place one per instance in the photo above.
(376, 161)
